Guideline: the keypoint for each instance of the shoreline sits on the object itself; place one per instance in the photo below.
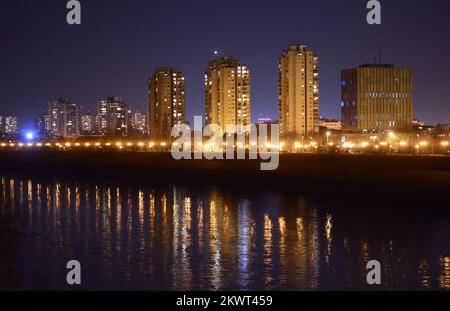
(297, 169)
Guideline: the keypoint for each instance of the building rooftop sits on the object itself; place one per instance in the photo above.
(376, 66)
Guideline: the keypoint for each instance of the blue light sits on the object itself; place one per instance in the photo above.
(29, 135)
(344, 83)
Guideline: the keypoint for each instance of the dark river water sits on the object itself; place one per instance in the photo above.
(167, 237)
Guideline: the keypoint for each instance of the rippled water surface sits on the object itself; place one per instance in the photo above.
(145, 237)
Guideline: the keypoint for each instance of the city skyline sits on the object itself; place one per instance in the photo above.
(89, 71)
(253, 119)
(235, 78)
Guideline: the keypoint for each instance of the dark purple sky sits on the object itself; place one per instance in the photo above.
(120, 43)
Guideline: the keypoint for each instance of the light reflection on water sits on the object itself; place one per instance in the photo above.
(177, 238)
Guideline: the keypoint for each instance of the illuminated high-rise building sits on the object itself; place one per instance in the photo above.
(87, 124)
(113, 117)
(63, 118)
(377, 97)
(166, 104)
(227, 93)
(138, 123)
(298, 84)
(42, 125)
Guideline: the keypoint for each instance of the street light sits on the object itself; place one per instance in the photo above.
(444, 145)
(391, 135)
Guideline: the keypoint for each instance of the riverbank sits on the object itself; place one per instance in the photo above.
(293, 170)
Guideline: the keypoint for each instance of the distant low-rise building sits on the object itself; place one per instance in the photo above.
(418, 123)
(423, 127)
(330, 124)
(443, 128)
(264, 120)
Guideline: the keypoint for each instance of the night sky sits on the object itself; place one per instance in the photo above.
(120, 43)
